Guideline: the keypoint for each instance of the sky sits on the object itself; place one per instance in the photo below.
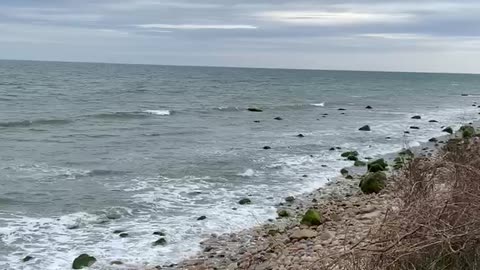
(393, 35)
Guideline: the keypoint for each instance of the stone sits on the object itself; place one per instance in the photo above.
(123, 235)
(349, 153)
(467, 131)
(267, 147)
(159, 233)
(83, 261)
(433, 121)
(27, 258)
(368, 107)
(344, 172)
(359, 163)
(300, 135)
(433, 140)
(416, 117)
(448, 130)
(255, 110)
(116, 263)
(244, 201)
(332, 149)
(283, 213)
(118, 231)
(202, 218)
(377, 165)
(256, 121)
(365, 128)
(373, 182)
(312, 218)
(303, 234)
(160, 242)
(342, 109)
(414, 127)
(278, 118)
(290, 199)
(349, 177)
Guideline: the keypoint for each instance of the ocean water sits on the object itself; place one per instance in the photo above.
(86, 149)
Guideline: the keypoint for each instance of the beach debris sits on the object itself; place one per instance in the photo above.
(365, 128)
(83, 261)
(312, 218)
(373, 182)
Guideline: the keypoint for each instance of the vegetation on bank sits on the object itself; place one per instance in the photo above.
(436, 224)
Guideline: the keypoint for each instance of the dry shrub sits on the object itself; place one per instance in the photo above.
(437, 223)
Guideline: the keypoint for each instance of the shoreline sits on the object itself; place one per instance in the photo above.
(349, 214)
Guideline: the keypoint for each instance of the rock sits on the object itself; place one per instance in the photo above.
(414, 127)
(406, 132)
(311, 218)
(359, 163)
(303, 234)
(27, 258)
(464, 95)
(342, 109)
(123, 235)
(416, 117)
(116, 263)
(467, 131)
(365, 128)
(352, 158)
(283, 213)
(118, 231)
(373, 182)
(159, 233)
(388, 138)
(160, 242)
(349, 153)
(304, 176)
(368, 107)
(349, 177)
(255, 110)
(278, 118)
(290, 199)
(256, 121)
(433, 121)
(344, 172)
(202, 218)
(83, 261)
(244, 201)
(433, 140)
(448, 130)
(326, 235)
(267, 147)
(377, 165)
(332, 149)
(300, 135)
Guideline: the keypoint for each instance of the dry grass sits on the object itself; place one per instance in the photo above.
(436, 225)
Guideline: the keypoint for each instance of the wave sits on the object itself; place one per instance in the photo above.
(318, 104)
(158, 112)
(29, 123)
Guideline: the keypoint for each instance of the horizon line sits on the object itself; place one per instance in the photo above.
(239, 67)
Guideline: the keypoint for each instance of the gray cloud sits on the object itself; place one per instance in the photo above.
(270, 33)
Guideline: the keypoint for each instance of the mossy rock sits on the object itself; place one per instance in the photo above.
(283, 213)
(245, 201)
(467, 131)
(373, 182)
(311, 218)
(377, 165)
(160, 242)
(349, 153)
(359, 163)
(344, 172)
(83, 261)
(352, 158)
(448, 130)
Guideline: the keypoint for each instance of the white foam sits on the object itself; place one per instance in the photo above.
(158, 112)
(247, 173)
(318, 104)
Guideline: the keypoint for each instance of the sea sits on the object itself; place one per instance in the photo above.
(90, 149)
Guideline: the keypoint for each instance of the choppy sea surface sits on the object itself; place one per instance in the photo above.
(86, 149)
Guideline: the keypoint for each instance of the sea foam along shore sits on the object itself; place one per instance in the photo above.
(348, 216)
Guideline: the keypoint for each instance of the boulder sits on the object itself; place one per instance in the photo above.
(365, 128)
(359, 163)
(283, 213)
(349, 177)
(83, 261)
(352, 158)
(267, 147)
(416, 117)
(123, 235)
(311, 218)
(448, 130)
(303, 234)
(290, 199)
(377, 165)
(27, 258)
(349, 153)
(433, 140)
(332, 149)
(368, 107)
(160, 242)
(254, 110)
(467, 131)
(344, 172)
(373, 182)
(244, 201)
(300, 135)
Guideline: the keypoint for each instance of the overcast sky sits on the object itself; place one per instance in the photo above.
(403, 35)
